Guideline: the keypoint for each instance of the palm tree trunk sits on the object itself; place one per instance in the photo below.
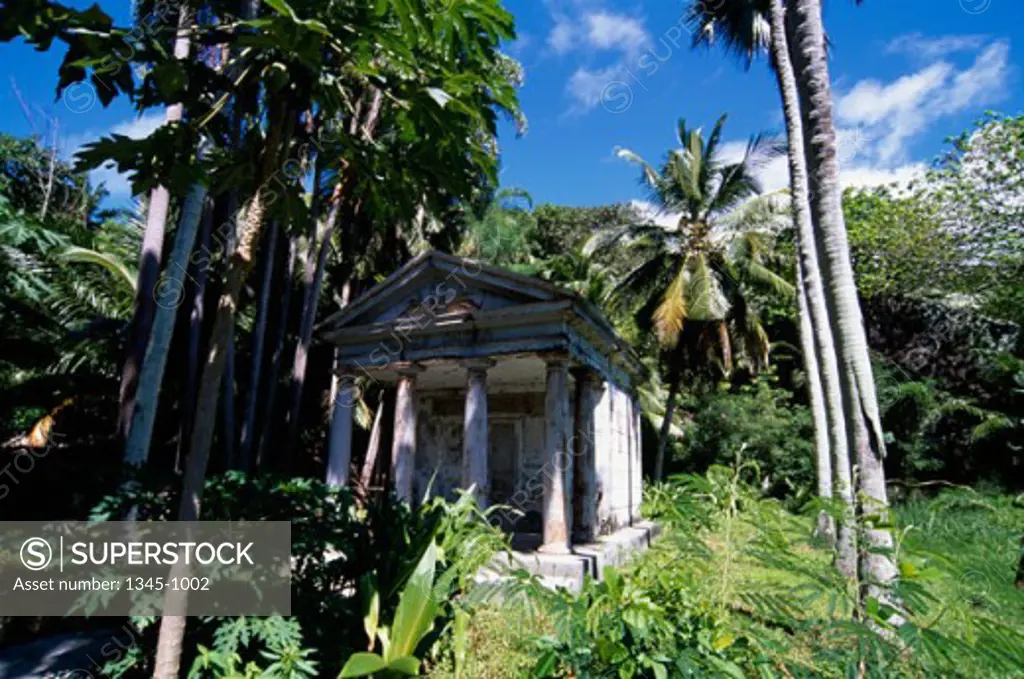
(815, 331)
(825, 528)
(195, 324)
(726, 344)
(258, 340)
(169, 295)
(864, 431)
(372, 447)
(314, 280)
(366, 127)
(228, 402)
(266, 438)
(145, 308)
(666, 426)
(172, 627)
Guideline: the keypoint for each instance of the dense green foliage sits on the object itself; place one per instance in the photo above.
(899, 245)
(338, 602)
(736, 588)
(761, 419)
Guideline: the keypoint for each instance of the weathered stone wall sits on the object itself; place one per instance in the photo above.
(516, 428)
(516, 424)
(615, 471)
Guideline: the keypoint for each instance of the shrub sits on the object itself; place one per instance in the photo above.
(378, 545)
(775, 432)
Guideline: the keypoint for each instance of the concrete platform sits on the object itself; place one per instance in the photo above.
(569, 570)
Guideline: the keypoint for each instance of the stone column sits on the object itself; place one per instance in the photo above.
(475, 444)
(603, 448)
(339, 451)
(584, 455)
(403, 448)
(619, 468)
(557, 518)
(638, 459)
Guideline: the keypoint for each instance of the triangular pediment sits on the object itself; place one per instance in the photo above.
(442, 284)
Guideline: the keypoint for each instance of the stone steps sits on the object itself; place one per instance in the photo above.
(569, 570)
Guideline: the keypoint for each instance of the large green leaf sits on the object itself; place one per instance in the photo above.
(416, 607)
(361, 665)
(407, 665)
(371, 605)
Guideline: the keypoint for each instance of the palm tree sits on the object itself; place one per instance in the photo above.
(145, 309)
(503, 235)
(807, 52)
(150, 381)
(695, 269)
(748, 28)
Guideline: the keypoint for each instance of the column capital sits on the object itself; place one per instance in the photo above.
(477, 364)
(585, 374)
(556, 361)
(408, 369)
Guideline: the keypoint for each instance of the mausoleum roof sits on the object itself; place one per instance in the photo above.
(440, 307)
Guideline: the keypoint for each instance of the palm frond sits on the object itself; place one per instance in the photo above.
(605, 238)
(671, 313)
(741, 27)
(648, 174)
(765, 213)
(642, 277)
(761, 275)
(109, 262)
(704, 295)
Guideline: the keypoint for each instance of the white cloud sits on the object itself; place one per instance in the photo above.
(982, 83)
(918, 46)
(871, 101)
(136, 128)
(876, 120)
(855, 168)
(593, 34)
(587, 86)
(615, 32)
(865, 176)
(893, 113)
(562, 37)
(140, 127)
(774, 176)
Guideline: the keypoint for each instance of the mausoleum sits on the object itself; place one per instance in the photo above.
(503, 383)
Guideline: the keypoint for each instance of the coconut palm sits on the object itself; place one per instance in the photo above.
(695, 269)
(807, 52)
(747, 29)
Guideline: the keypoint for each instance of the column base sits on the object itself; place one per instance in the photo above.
(584, 536)
(555, 548)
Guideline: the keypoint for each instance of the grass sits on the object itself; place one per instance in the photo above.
(500, 645)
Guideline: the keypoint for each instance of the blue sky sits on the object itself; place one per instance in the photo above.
(603, 73)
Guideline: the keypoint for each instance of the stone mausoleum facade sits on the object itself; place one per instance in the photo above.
(503, 383)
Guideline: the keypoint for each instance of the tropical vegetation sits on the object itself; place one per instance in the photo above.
(833, 384)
